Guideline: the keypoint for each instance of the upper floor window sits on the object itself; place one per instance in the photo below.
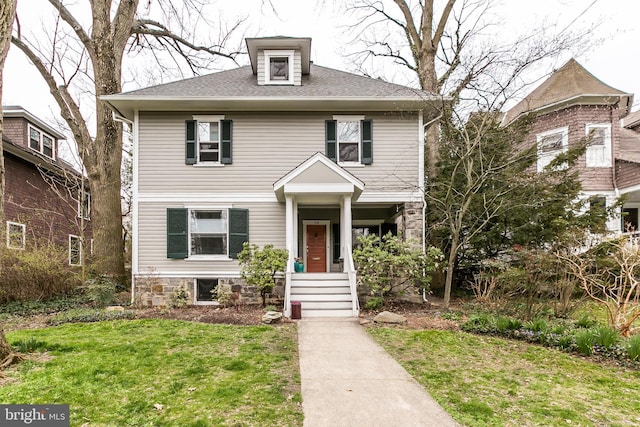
(84, 206)
(41, 142)
(550, 144)
(349, 140)
(278, 67)
(598, 145)
(16, 235)
(208, 141)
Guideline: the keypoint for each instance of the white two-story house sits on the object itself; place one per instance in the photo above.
(280, 152)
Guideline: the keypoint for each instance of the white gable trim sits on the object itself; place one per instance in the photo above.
(318, 158)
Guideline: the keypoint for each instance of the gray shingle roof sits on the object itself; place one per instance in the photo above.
(241, 82)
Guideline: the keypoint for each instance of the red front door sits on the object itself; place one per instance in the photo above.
(316, 249)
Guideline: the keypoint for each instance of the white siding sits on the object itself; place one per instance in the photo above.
(297, 68)
(266, 146)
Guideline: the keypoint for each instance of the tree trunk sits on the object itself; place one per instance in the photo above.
(453, 254)
(7, 15)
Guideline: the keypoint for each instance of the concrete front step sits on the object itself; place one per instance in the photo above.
(320, 297)
(319, 290)
(325, 305)
(319, 276)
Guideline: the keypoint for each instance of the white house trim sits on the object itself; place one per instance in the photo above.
(135, 200)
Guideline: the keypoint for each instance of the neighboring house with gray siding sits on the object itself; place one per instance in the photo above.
(572, 106)
(280, 152)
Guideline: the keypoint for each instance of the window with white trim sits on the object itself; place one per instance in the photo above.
(209, 142)
(208, 232)
(205, 290)
(598, 153)
(75, 250)
(84, 206)
(278, 67)
(550, 144)
(41, 142)
(16, 235)
(349, 141)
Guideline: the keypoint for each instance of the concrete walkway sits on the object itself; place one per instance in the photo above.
(349, 380)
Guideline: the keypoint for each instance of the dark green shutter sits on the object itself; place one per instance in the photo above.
(227, 130)
(238, 230)
(331, 139)
(367, 142)
(190, 142)
(177, 233)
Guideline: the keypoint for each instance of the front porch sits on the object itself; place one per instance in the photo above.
(323, 218)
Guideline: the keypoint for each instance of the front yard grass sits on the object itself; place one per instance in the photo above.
(486, 381)
(161, 373)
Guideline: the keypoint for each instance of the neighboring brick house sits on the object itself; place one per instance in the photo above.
(573, 106)
(281, 152)
(44, 201)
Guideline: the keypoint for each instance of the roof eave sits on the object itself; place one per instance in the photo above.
(10, 111)
(127, 105)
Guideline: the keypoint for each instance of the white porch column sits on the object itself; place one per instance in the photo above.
(289, 227)
(346, 228)
(295, 229)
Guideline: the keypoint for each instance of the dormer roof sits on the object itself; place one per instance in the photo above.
(301, 44)
(570, 85)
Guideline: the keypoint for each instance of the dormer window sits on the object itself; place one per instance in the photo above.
(278, 67)
(41, 142)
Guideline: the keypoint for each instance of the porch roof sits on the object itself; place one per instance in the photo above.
(318, 179)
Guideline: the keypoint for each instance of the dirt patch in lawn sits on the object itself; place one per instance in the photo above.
(244, 315)
(419, 315)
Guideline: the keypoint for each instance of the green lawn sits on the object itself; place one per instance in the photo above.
(119, 373)
(485, 381)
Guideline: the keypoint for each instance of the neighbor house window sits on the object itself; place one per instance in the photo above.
(550, 144)
(278, 67)
(598, 145)
(16, 234)
(84, 206)
(205, 290)
(75, 250)
(208, 232)
(41, 142)
(208, 141)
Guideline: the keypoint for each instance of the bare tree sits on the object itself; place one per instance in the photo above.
(7, 15)
(92, 50)
(446, 45)
(610, 276)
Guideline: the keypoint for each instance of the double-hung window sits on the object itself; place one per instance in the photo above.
(204, 233)
(208, 141)
(41, 142)
(550, 144)
(598, 145)
(16, 234)
(84, 205)
(349, 140)
(208, 232)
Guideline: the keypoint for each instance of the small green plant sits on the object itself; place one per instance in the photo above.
(179, 298)
(270, 308)
(481, 322)
(502, 324)
(101, 291)
(565, 342)
(585, 321)
(260, 266)
(29, 345)
(537, 325)
(585, 340)
(633, 348)
(374, 303)
(88, 315)
(606, 337)
(451, 315)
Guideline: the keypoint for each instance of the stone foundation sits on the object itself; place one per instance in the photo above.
(412, 221)
(159, 291)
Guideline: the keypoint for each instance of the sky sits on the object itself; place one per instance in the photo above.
(615, 61)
